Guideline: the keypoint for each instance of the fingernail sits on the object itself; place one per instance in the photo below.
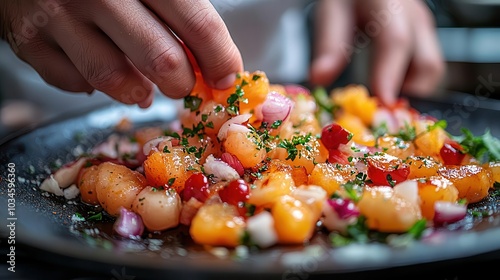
(225, 82)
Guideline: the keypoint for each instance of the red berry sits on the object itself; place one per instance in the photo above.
(387, 170)
(236, 193)
(452, 153)
(333, 135)
(196, 186)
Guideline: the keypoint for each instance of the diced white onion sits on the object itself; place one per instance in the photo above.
(237, 120)
(52, 186)
(408, 190)
(71, 192)
(261, 229)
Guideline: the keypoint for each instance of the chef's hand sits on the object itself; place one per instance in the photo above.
(121, 47)
(407, 55)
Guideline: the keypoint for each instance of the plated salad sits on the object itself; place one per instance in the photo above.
(262, 164)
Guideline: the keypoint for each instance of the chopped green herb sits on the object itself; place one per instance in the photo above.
(441, 124)
(484, 148)
(192, 102)
(276, 124)
(391, 182)
(418, 228)
(172, 134)
(407, 133)
(171, 181)
(291, 145)
(95, 217)
(250, 209)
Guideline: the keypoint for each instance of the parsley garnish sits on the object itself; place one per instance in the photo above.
(441, 124)
(291, 145)
(95, 217)
(391, 182)
(407, 133)
(484, 148)
(171, 181)
(192, 102)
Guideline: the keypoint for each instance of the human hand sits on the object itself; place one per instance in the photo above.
(406, 57)
(121, 48)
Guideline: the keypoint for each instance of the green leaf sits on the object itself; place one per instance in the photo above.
(96, 217)
(493, 146)
(441, 124)
(484, 147)
(322, 99)
(418, 228)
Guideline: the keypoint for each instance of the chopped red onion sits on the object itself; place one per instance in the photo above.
(220, 169)
(276, 107)
(344, 207)
(234, 162)
(448, 212)
(128, 224)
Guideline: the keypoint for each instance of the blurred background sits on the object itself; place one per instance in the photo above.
(468, 30)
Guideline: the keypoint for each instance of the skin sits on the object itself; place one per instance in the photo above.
(124, 48)
(406, 54)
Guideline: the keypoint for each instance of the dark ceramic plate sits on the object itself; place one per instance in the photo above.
(44, 223)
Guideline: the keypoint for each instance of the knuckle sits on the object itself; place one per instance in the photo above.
(106, 80)
(203, 24)
(164, 64)
(398, 37)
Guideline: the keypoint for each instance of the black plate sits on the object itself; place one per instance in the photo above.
(44, 223)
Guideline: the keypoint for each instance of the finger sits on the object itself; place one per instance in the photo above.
(391, 34)
(148, 43)
(333, 40)
(426, 69)
(200, 27)
(54, 67)
(102, 64)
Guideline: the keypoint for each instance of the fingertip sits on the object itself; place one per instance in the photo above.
(146, 103)
(225, 82)
(324, 70)
(385, 94)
